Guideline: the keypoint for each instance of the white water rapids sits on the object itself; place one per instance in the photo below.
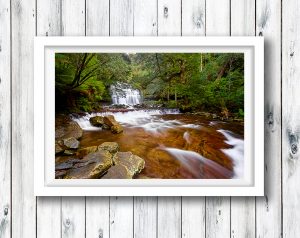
(151, 121)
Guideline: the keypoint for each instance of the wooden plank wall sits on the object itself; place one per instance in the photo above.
(274, 215)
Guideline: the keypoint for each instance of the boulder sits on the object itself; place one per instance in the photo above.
(109, 120)
(133, 163)
(116, 129)
(92, 166)
(70, 143)
(117, 172)
(111, 147)
(97, 121)
(85, 151)
(64, 128)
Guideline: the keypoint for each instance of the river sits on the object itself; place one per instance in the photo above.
(174, 145)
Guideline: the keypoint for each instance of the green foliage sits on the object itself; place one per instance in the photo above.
(191, 81)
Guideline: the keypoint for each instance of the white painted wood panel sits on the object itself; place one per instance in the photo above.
(97, 17)
(193, 18)
(290, 118)
(23, 201)
(73, 208)
(97, 208)
(169, 217)
(5, 120)
(73, 217)
(193, 217)
(97, 217)
(193, 208)
(218, 208)
(145, 17)
(121, 208)
(218, 17)
(145, 217)
(121, 17)
(148, 217)
(169, 17)
(145, 208)
(121, 217)
(169, 208)
(242, 208)
(48, 23)
(268, 208)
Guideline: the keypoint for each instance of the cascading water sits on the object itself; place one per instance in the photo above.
(122, 93)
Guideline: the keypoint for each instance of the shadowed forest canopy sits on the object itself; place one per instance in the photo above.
(211, 82)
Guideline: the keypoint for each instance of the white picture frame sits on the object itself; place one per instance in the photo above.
(45, 183)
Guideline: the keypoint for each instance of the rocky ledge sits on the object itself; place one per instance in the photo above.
(100, 162)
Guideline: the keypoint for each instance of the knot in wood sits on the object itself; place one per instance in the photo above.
(5, 210)
(198, 22)
(68, 222)
(294, 148)
(166, 12)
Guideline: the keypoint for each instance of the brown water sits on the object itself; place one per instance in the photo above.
(175, 145)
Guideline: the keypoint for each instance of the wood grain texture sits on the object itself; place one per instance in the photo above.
(97, 18)
(169, 17)
(193, 217)
(73, 208)
(145, 208)
(48, 23)
(48, 222)
(121, 17)
(145, 217)
(242, 208)
(97, 217)
(169, 208)
(290, 117)
(121, 208)
(23, 201)
(145, 17)
(73, 217)
(21, 216)
(5, 121)
(169, 217)
(121, 217)
(268, 208)
(193, 208)
(218, 17)
(193, 18)
(218, 208)
(73, 17)
(97, 208)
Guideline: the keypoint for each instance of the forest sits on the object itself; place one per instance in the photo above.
(149, 115)
(210, 82)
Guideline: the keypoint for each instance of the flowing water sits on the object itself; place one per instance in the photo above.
(174, 145)
(123, 94)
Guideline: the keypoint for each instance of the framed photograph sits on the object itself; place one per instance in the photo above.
(149, 116)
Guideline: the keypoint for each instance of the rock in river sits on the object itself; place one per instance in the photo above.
(70, 143)
(110, 120)
(97, 121)
(66, 129)
(116, 129)
(117, 172)
(133, 163)
(111, 147)
(94, 165)
(85, 151)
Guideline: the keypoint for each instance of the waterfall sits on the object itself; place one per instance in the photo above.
(122, 93)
